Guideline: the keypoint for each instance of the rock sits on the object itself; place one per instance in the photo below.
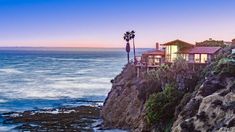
(231, 123)
(210, 86)
(64, 119)
(208, 110)
(124, 107)
(191, 108)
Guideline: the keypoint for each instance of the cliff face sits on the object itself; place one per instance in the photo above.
(212, 106)
(209, 107)
(124, 106)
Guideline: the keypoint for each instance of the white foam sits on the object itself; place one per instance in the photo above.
(10, 71)
(3, 101)
(5, 128)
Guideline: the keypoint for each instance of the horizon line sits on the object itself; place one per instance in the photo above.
(68, 47)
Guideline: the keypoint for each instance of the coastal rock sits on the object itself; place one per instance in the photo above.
(211, 109)
(82, 118)
(124, 107)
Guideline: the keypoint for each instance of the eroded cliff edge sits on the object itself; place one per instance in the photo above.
(124, 106)
(207, 102)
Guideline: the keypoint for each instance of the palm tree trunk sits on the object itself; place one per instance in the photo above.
(128, 51)
(128, 58)
(134, 50)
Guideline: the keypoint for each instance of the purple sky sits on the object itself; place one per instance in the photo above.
(102, 23)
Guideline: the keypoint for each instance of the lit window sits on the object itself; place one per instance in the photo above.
(186, 57)
(171, 52)
(203, 58)
(197, 58)
(174, 49)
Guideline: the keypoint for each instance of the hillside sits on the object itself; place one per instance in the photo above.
(174, 98)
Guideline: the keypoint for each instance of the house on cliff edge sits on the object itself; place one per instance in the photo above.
(199, 54)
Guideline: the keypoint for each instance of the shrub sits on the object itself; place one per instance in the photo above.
(154, 107)
(160, 106)
(180, 64)
(225, 66)
(157, 75)
(160, 76)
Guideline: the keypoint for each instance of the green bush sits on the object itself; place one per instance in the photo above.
(180, 64)
(225, 66)
(154, 107)
(159, 74)
(160, 106)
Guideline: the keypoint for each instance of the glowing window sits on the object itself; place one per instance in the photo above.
(197, 58)
(157, 59)
(171, 52)
(203, 58)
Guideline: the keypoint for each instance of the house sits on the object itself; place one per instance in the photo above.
(153, 58)
(193, 54)
(173, 47)
(199, 55)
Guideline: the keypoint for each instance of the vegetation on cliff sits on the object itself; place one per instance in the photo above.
(159, 105)
(179, 83)
(201, 99)
(212, 105)
(175, 80)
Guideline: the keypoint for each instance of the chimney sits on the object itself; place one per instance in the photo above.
(233, 43)
(157, 46)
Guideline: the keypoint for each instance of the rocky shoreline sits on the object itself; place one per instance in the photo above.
(82, 118)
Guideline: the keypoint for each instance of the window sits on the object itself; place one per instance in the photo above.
(171, 52)
(203, 58)
(150, 60)
(185, 56)
(157, 59)
(197, 58)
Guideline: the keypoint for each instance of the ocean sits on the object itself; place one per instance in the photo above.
(41, 78)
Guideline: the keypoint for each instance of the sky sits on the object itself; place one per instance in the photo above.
(102, 23)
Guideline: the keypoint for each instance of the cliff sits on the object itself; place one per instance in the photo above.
(205, 100)
(124, 106)
(212, 105)
(209, 110)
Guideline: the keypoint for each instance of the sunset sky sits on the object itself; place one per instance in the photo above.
(101, 23)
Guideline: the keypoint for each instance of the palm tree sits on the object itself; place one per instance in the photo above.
(133, 37)
(127, 37)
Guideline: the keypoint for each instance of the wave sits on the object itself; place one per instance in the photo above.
(55, 76)
(6, 128)
(3, 101)
(10, 71)
(77, 59)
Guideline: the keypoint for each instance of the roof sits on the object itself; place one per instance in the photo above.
(176, 42)
(200, 50)
(154, 52)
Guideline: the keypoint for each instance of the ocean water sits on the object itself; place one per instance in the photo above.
(36, 78)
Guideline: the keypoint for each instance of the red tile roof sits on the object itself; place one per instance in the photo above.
(200, 50)
(154, 52)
